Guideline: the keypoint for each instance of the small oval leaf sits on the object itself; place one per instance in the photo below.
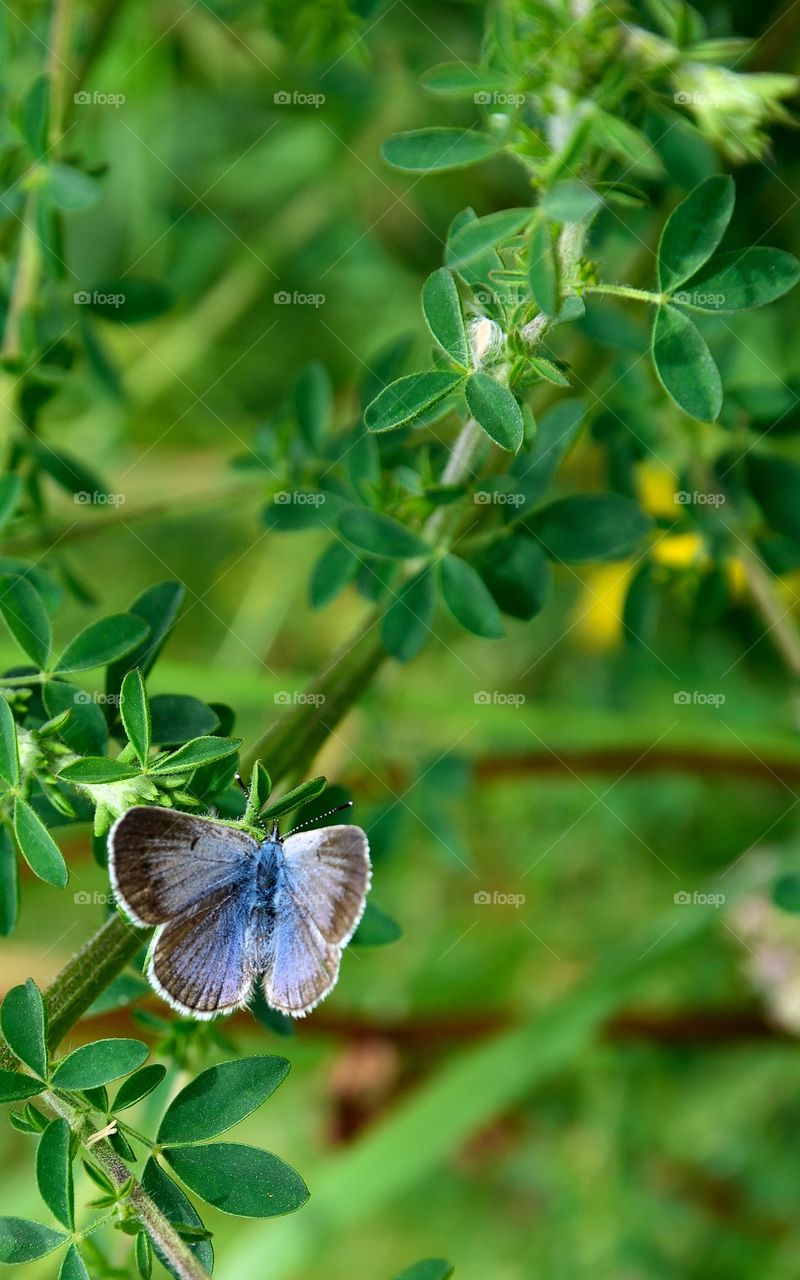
(220, 1097)
(243, 1181)
(95, 1064)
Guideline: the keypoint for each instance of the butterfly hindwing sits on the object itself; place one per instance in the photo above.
(327, 872)
(301, 966)
(163, 862)
(199, 961)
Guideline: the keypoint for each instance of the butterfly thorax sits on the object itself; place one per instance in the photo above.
(266, 891)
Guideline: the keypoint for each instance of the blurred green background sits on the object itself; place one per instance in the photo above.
(666, 1145)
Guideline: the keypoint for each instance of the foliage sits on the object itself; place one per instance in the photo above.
(586, 290)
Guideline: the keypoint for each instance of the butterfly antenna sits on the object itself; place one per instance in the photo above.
(348, 804)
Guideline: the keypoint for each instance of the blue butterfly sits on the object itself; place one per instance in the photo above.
(231, 909)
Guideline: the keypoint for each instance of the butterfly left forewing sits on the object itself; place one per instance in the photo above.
(162, 863)
(328, 874)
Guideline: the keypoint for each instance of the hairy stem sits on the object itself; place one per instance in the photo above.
(169, 1244)
(84, 978)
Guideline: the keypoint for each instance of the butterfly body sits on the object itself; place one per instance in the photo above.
(231, 909)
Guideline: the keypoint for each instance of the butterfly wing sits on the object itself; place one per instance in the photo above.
(328, 873)
(199, 961)
(301, 966)
(162, 863)
(320, 896)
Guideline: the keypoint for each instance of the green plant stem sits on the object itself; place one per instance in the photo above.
(84, 978)
(161, 1231)
(58, 71)
(627, 291)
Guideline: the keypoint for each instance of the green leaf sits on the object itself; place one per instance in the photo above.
(102, 642)
(71, 189)
(376, 928)
(409, 398)
(73, 1266)
(543, 268)
(313, 399)
(293, 799)
(468, 599)
(570, 201)
(630, 145)
(86, 731)
(195, 753)
(95, 771)
(23, 1241)
(685, 366)
(380, 535)
(134, 710)
(741, 280)
(442, 309)
(23, 1020)
(10, 490)
(178, 1209)
(591, 527)
(518, 574)
(158, 606)
(16, 1085)
(475, 236)
(138, 1086)
(178, 717)
(9, 750)
(494, 408)
(408, 620)
(26, 618)
(533, 472)
(775, 484)
(425, 150)
(336, 567)
(786, 893)
(144, 1255)
(243, 1181)
(694, 229)
(37, 846)
(428, 1269)
(95, 1064)
(54, 1171)
(220, 1097)
(70, 474)
(9, 889)
(34, 116)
